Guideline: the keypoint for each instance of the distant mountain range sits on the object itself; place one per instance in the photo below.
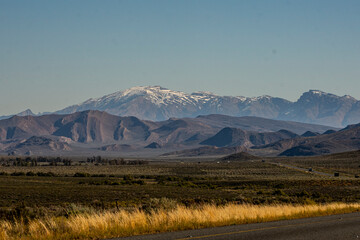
(347, 139)
(101, 131)
(155, 120)
(232, 141)
(159, 104)
(27, 112)
(96, 132)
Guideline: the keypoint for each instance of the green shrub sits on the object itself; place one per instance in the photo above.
(31, 174)
(98, 175)
(18, 174)
(303, 194)
(79, 174)
(279, 192)
(128, 178)
(47, 174)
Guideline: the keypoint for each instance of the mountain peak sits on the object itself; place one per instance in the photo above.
(159, 104)
(27, 112)
(317, 92)
(320, 94)
(146, 89)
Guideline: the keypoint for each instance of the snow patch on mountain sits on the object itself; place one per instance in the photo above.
(157, 103)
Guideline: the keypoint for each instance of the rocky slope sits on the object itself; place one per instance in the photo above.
(106, 132)
(38, 145)
(228, 137)
(347, 139)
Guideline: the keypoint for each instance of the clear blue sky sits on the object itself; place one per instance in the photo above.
(58, 53)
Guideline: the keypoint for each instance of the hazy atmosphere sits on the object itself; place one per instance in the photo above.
(57, 53)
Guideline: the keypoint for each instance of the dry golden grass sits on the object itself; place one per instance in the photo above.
(126, 223)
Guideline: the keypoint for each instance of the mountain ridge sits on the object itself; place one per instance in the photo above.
(230, 137)
(26, 112)
(156, 103)
(99, 129)
(346, 139)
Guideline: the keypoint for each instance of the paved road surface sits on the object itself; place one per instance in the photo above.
(339, 227)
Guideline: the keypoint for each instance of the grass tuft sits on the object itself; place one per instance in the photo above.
(107, 224)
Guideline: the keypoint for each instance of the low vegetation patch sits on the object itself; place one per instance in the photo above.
(97, 198)
(107, 224)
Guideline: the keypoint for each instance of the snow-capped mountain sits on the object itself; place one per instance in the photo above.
(316, 106)
(157, 103)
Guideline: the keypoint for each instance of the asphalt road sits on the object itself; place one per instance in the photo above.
(342, 227)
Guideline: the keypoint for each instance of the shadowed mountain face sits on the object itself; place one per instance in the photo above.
(258, 124)
(106, 132)
(158, 104)
(95, 126)
(347, 139)
(310, 134)
(237, 137)
(329, 131)
(85, 127)
(153, 145)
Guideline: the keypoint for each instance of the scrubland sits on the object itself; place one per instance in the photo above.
(87, 201)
